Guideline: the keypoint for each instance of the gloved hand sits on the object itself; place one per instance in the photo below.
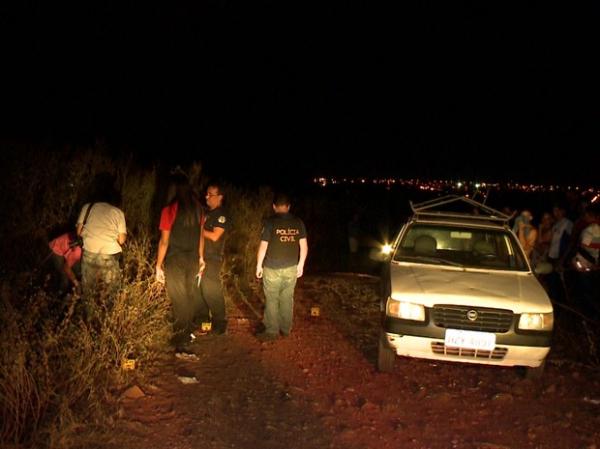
(201, 268)
(160, 275)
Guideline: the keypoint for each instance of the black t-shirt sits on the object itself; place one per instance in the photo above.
(215, 218)
(283, 232)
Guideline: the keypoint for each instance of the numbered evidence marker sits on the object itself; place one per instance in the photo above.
(128, 364)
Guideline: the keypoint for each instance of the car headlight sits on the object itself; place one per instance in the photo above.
(405, 310)
(536, 321)
(387, 249)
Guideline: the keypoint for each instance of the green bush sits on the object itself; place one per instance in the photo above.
(247, 211)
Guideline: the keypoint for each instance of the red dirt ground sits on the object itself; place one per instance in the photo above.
(319, 388)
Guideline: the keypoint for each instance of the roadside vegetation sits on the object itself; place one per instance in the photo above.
(62, 370)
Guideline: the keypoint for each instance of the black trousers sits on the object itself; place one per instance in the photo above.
(183, 291)
(212, 294)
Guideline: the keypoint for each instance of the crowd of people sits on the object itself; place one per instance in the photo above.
(189, 260)
(571, 246)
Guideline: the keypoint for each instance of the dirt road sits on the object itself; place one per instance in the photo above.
(318, 388)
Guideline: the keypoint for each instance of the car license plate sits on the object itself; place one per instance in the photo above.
(470, 339)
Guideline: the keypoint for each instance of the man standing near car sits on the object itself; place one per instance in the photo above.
(211, 253)
(282, 251)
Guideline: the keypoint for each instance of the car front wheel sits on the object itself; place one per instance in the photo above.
(386, 357)
(535, 373)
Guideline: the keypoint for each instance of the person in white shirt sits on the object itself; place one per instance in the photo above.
(102, 227)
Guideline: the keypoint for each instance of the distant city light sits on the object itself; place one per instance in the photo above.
(462, 187)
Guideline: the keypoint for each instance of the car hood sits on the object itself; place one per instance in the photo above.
(429, 285)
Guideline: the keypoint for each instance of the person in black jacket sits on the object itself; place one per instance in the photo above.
(215, 226)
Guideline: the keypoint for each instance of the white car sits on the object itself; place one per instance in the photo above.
(459, 288)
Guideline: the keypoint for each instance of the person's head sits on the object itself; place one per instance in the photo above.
(547, 219)
(559, 211)
(506, 210)
(526, 216)
(281, 203)
(592, 213)
(582, 207)
(182, 193)
(180, 188)
(104, 190)
(214, 195)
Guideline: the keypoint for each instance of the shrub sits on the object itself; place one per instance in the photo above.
(59, 371)
(247, 211)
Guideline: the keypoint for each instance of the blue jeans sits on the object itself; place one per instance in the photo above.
(278, 285)
(100, 279)
(100, 271)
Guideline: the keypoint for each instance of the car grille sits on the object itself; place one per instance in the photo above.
(487, 320)
(497, 354)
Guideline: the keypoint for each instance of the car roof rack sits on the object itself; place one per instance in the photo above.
(485, 213)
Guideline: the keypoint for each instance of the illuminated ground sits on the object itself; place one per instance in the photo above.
(319, 389)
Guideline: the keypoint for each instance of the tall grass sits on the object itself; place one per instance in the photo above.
(247, 211)
(138, 188)
(60, 369)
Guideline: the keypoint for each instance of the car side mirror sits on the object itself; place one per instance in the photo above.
(378, 255)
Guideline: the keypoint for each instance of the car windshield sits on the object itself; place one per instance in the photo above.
(461, 246)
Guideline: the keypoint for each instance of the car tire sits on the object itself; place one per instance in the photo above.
(384, 294)
(535, 373)
(386, 357)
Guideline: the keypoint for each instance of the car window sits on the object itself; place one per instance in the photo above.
(456, 245)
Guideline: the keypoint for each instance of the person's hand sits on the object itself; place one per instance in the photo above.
(201, 265)
(259, 272)
(160, 275)
(559, 265)
(300, 271)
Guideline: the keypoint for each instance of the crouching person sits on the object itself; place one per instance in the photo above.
(66, 258)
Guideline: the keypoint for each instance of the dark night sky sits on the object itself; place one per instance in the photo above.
(415, 89)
